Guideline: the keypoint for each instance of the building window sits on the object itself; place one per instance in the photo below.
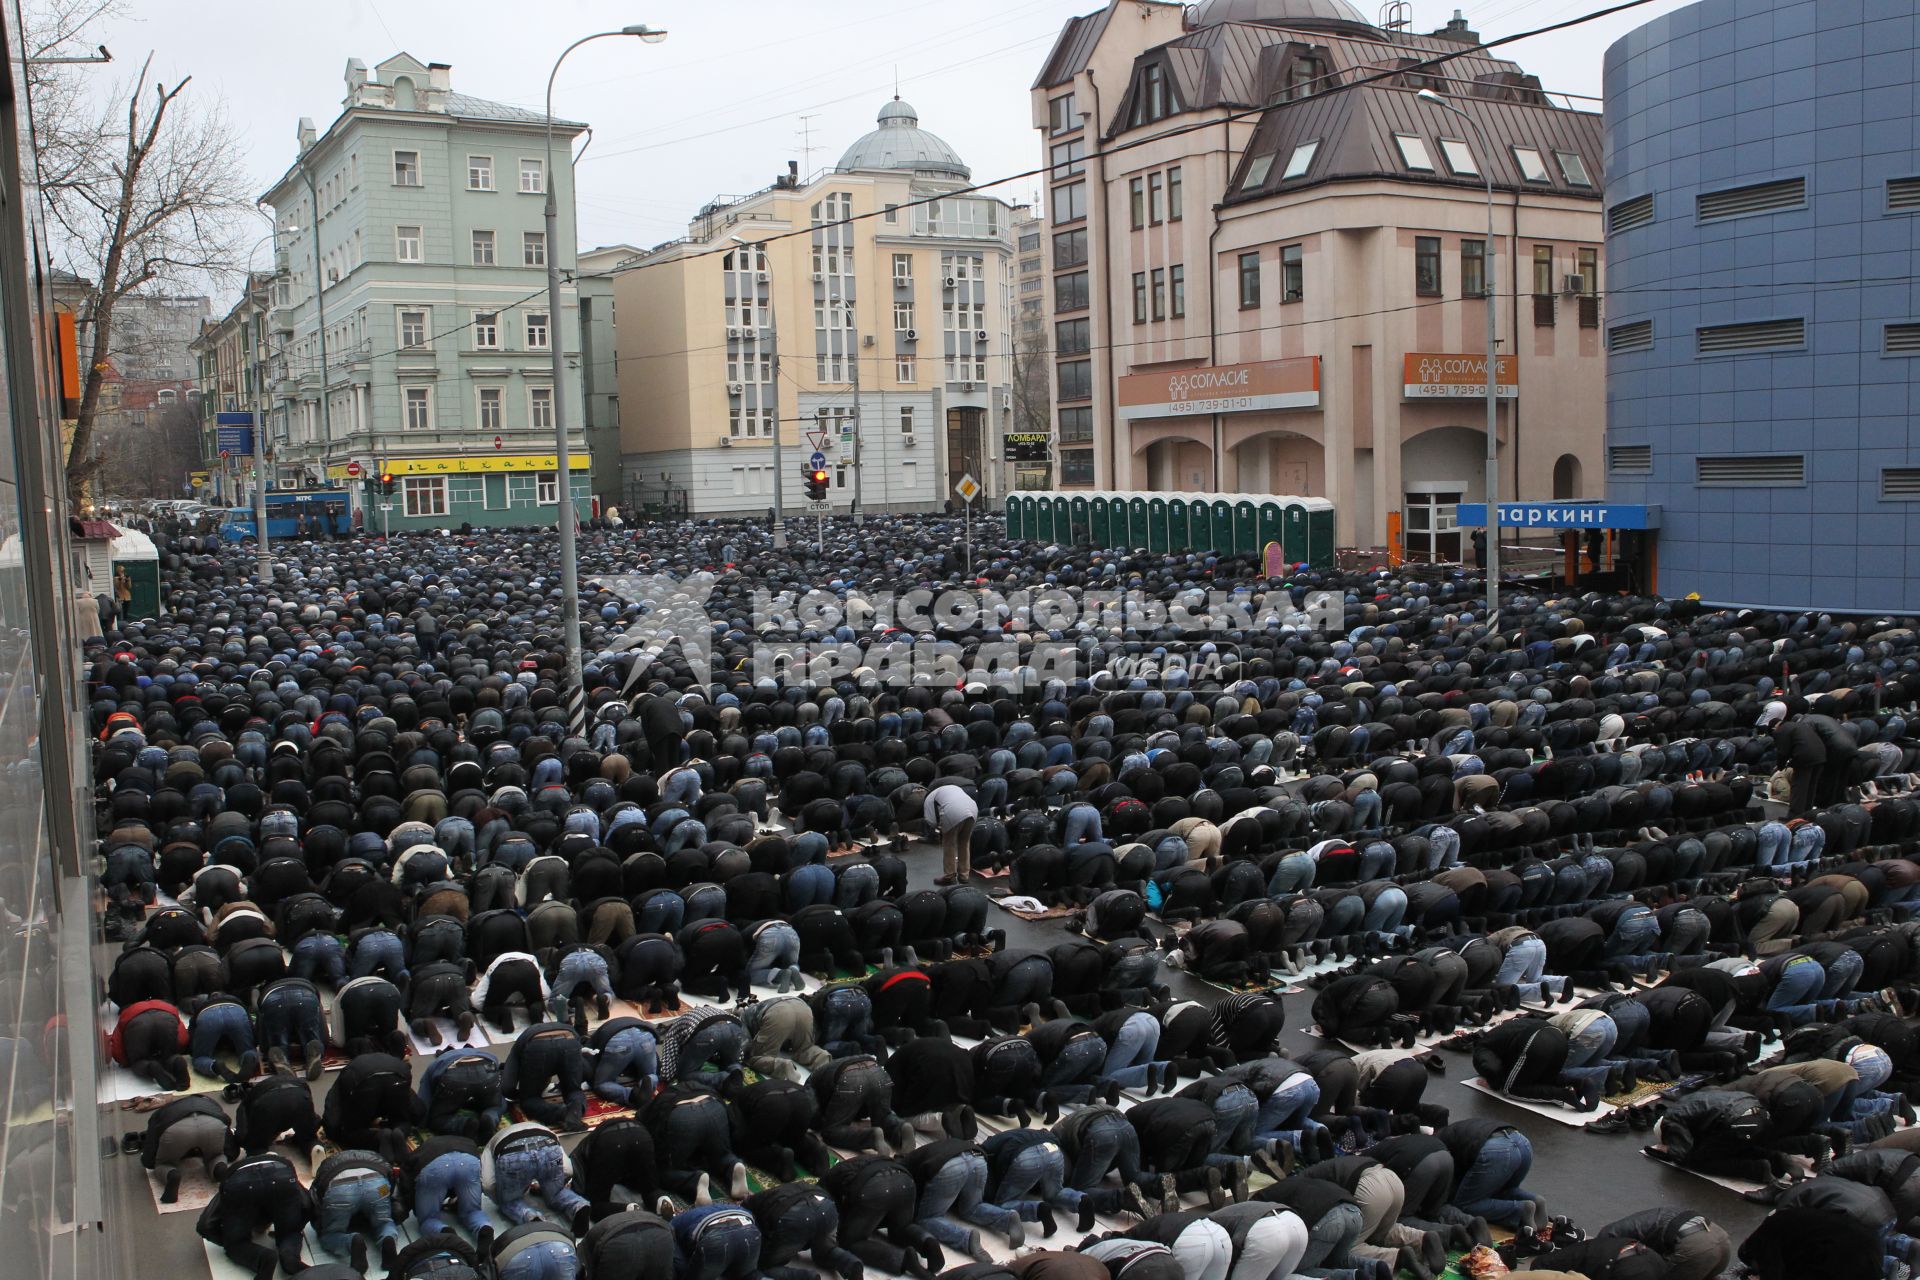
(1076, 426)
(1532, 167)
(1070, 249)
(1426, 266)
(1413, 151)
(483, 248)
(1542, 269)
(1156, 199)
(1175, 201)
(904, 370)
(537, 331)
(1573, 167)
(1460, 161)
(892, 214)
(903, 317)
(906, 420)
(1076, 380)
(490, 399)
(1293, 273)
(902, 268)
(406, 168)
(1076, 467)
(533, 177)
(1589, 288)
(533, 248)
(1152, 101)
(1139, 297)
(1070, 292)
(540, 408)
(1159, 294)
(1063, 115)
(546, 491)
(1069, 203)
(407, 244)
(1473, 268)
(1069, 158)
(1249, 281)
(419, 407)
(1072, 337)
(486, 330)
(413, 329)
(1257, 170)
(1303, 78)
(479, 173)
(1137, 202)
(1177, 292)
(1301, 160)
(424, 495)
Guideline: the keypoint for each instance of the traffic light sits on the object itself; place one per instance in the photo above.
(386, 484)
(816, 478)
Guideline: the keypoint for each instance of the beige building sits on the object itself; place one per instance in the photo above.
(1269, 277)
(887, 303)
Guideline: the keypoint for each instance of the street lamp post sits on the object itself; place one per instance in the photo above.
(576, 693)
(1492, 257)
(263, 568)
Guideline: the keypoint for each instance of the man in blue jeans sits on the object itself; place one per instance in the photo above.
(1491, 1160)
(624, 1050)
(223, 1026)
(952, 1176)
(442, 1171)
(1027, 1172)
(534, 1251)
(356, 1187)
(715, 1242)
(522, 1157)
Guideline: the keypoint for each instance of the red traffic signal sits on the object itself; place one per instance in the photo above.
(816, 481)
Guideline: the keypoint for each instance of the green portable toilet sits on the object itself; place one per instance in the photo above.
(1177, 529)
(1100, 516)
(134, 551)
(1246, 528)
(1136, 521)
(1036, 518)
(1062, 519)
(1220, 535)
(1320, 535)
(1014, 514)
(1157, 524)
(1295, 540)
(1273, 523)
(1082, 523)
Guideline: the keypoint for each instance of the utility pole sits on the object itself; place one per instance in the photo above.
(255, 331)
(853, 325)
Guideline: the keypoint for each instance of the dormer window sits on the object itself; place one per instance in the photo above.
(1306, 76)
(1151, 99)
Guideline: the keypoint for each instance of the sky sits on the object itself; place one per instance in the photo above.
(737, 90)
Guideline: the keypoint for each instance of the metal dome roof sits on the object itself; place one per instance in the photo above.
(900, 143)
(1214, 12)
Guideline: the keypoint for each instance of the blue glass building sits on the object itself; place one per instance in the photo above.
(1762, 310)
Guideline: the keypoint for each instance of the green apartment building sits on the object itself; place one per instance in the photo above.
(411, 267)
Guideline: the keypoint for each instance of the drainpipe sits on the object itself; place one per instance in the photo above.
(1106, 260)
(1513, 409)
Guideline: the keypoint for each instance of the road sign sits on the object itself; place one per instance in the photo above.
(198, 481)
(817, 459)
(498, 441)
(225, 454)
(353, 469)
(816, 440)
(968, 488)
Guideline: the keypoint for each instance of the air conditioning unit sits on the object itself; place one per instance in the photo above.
(764, 277)
(909, 442)
(979, 335)
(903, 282)
(1571, 285)
(733, 331)
(726, 442)
(867, 341)
(1006, 403)
(966, 386)
(735, 388)
(911, 335)
(951, 282)
(290, 482)
(818, 277)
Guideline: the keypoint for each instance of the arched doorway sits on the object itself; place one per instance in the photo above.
(1566, 477)
(1439, 469)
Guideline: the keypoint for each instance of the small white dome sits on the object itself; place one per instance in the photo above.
(1279, 12)
(900, 143)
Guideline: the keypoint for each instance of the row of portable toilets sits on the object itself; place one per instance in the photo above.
(1225, 523)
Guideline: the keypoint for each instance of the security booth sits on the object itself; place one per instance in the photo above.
(134, 551)
(1157, 536)
(1606, 546)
